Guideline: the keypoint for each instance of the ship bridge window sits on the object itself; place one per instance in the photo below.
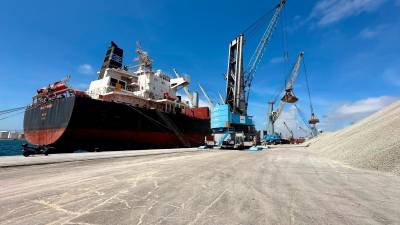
(131, 88)
(113, 82)
(126, 79)
(122, 83)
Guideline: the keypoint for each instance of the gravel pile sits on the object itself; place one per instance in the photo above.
(372, 143)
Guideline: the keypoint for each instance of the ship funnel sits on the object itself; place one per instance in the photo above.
(113, 59)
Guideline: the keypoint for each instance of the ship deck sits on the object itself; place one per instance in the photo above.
(190, 186)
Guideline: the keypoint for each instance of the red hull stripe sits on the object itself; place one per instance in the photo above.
(50, 136)
(43, 137)
(140, 137)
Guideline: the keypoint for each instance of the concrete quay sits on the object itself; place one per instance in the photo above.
(190, 186)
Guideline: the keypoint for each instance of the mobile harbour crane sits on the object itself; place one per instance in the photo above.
(231, 125)
(288, 97)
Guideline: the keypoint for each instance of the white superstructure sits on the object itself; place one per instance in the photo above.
(144, 82)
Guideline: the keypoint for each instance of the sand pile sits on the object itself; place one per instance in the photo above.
(372, 143)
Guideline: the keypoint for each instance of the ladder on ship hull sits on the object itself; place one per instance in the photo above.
(172, 126)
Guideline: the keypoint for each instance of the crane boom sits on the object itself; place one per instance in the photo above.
(193, 99)
(221, 98)
(295, 71)
(206, 95)
(185, 88)
(231, 118)
(287, 128)
(259, 52)
(290, 83)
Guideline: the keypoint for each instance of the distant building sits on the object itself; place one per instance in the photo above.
(21, 136)
(13, 135)
(4, 134)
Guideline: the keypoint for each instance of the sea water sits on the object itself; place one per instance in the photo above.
(11, 147)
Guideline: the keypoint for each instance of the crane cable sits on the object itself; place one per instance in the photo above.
(256, 25)
(7, 111)
(308, 87)
(12, 115)
(11, 112)
(285, 56)
(285, 39)
(302, 117)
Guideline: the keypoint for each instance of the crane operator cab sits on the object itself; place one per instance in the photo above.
(289, 96)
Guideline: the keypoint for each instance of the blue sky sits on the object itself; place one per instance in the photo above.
(352, 49)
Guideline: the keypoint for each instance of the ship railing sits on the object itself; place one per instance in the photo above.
(104, 90)
(99, 91)
(43, 99)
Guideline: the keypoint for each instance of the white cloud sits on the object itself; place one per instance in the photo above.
(364, 106)
(368, 33)
(202, 103)
(331, 11)
(298, 17)
(85, 69)
(259, 110)
(348, 113)
(291, 118)
(392, 76)
(276, 60)
(81, 86)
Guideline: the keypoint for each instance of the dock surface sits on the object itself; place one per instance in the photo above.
(278, 186)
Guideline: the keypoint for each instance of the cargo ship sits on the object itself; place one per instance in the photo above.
(127, 107)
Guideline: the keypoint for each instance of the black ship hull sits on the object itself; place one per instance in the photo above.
(82, 123)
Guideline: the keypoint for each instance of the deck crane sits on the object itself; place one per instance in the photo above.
(288, 97)
(221, 98)
(231, 125)
(210, 102)
(193, 98)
